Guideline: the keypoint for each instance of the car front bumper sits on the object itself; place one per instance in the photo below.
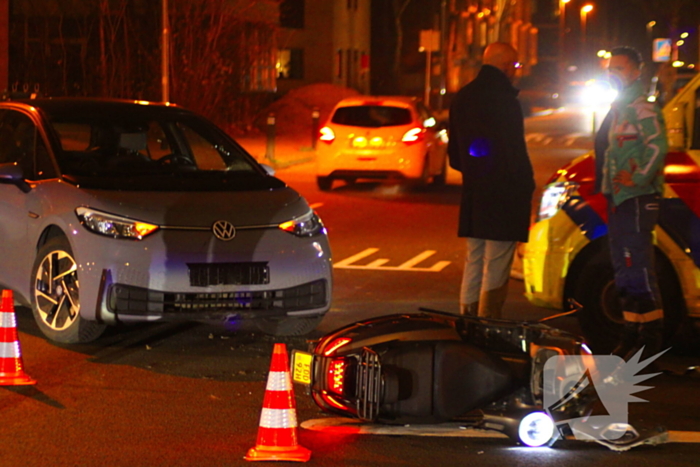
(193, 276)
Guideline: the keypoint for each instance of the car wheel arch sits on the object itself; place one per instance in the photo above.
(50, 232)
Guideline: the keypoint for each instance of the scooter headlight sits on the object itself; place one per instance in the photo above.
(536, 429)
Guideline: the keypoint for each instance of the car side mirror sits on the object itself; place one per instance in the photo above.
(11, 174)
(268, 169)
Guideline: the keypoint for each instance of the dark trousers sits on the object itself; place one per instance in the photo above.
(630, 227)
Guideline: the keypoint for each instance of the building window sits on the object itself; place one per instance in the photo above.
(339, 64)
(292, 14)
(290, 64)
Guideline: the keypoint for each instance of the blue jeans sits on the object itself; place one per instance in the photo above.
(630, 227)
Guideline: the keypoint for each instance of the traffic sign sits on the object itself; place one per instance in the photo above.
(661, 50)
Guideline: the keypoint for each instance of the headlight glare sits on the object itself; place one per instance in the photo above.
(553, 198)
(111, 225)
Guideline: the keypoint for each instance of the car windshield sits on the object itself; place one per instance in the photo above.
(152, 144)
(372, 116)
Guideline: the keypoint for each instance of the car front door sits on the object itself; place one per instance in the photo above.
(18, 145)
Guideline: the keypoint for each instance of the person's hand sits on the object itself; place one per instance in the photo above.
(623, 177)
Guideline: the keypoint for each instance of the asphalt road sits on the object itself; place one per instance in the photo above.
(191, 394)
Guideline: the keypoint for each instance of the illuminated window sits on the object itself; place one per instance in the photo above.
(290, 64)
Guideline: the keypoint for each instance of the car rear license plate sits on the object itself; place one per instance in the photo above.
(302, 364)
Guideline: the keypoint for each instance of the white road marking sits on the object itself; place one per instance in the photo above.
(315, 205)
(357, 257)
(447, 429)
(684, 437)
(378, 264)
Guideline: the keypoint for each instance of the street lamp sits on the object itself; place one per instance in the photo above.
(165, 53)
(585, 9)
(562, 37)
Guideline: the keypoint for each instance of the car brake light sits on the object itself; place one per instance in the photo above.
(326, 135)
(335, 345)
(335, 378)
(413, 135)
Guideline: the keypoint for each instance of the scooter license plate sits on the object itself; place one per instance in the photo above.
(302, 363)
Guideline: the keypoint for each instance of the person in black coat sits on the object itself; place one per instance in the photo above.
(487, 145)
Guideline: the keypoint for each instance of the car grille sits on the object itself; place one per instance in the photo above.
(206, 274)
(368, 390)
(131, 300)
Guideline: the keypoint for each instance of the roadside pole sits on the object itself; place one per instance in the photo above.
(4, 45)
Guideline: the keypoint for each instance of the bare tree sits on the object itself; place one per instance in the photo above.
(218, 57)
(399, 6)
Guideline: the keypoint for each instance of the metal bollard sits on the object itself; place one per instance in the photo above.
(315, 114)
(270, 149)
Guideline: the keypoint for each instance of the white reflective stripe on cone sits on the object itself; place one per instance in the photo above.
(279, 381)
(9, 349)
(278, 418)
(7, 320)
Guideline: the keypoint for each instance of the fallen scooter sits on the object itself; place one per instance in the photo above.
(433, 367)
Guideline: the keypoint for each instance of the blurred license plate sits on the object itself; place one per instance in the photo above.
(301, 367)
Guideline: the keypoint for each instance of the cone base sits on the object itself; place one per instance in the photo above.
(276, 453)
(18, 380)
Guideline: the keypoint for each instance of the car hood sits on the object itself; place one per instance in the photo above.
(201, 209)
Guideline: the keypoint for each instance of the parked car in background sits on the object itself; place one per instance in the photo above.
(115, 211)
(381, 137)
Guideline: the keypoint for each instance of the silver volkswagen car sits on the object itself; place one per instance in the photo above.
(116, 211)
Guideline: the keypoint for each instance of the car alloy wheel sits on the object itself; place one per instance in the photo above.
(56, 295)
(56, 290)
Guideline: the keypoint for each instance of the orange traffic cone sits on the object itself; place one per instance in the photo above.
(277, 434)
(11, 367)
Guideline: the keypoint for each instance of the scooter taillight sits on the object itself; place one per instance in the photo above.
(335, 378)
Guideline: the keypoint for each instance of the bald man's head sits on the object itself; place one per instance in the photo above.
(503, 56)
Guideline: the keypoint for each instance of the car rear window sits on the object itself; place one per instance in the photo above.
(372, 116)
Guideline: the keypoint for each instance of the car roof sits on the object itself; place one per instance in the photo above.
(91, 105)
(398, 101)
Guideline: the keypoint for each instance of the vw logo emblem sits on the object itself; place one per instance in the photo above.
(223, 230)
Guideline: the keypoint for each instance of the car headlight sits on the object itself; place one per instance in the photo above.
(112, 225)
(553, 198)
(598, 93)
(307, 225)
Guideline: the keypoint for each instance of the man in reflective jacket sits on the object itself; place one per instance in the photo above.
(630, 150)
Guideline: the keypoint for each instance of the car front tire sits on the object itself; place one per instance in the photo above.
(56, 295)
(441, 178)
(601, 318)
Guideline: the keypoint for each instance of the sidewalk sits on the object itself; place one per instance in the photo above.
(285, 151)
